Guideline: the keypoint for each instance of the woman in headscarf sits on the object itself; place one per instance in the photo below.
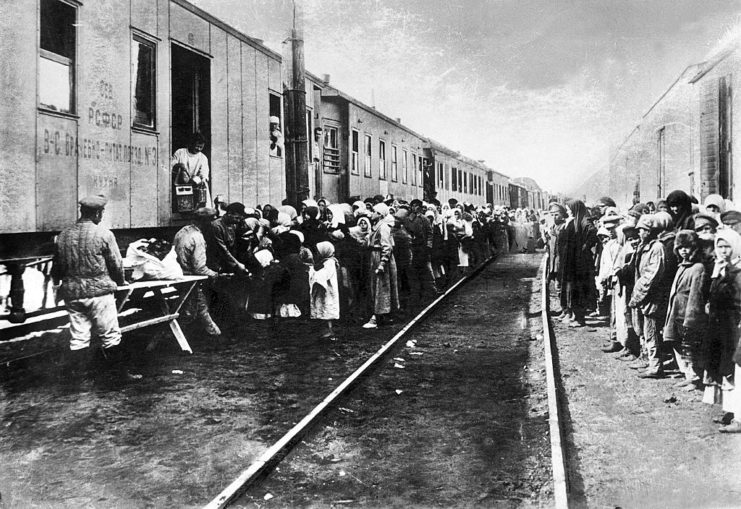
(358, 255)
(261, 302)
(313, 228)
(325, 294)
(383, 288)
(577, 263)
(292, 297)
(680, 207)
(715, 205)
(722, 374)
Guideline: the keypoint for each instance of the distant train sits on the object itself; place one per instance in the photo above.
(101, 94)
(686, 139)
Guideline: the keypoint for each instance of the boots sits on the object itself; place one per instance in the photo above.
(116, 360)
(75, 364)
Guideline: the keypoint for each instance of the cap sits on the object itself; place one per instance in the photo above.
(730, 217)
(702, 220)
(97, 201)
(274, 120)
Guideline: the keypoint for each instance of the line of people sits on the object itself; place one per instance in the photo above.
(358, 262)
(668, 276)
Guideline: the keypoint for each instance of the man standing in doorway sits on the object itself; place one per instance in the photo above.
(88, 265)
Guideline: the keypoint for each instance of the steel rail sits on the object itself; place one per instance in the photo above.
(558, 459)
(283, 446)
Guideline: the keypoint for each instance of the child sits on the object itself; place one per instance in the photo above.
(686, 319)
(325, 296)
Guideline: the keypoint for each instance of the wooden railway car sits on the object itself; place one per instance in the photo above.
(497, 190)
(536, 198)
(517, 196)
(685, 140)
(363, 151)
(99, 96)
(451, 175)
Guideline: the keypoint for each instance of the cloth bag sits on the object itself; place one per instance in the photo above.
(148, 267)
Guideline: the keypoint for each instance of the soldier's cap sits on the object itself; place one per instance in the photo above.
(274, 120)
(97, 201)
(730, 217)
(702, 220)
(416, 202)
(204, 213)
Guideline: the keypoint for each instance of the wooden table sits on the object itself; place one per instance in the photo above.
(156, 291)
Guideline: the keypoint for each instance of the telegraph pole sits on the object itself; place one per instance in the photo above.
(294, 92)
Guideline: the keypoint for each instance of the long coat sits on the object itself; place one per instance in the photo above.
(383, 286)
(577, 262)
(325, 292)
(687, 300)
(724, 302)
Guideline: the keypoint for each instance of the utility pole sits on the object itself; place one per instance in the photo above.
(294, 92)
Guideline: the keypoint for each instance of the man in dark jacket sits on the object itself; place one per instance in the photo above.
(422, 281)
(88, 265)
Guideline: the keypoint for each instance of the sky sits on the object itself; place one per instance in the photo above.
(537, 88)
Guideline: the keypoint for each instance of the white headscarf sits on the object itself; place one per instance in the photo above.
(264, 257)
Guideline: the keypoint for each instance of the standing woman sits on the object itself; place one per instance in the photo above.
(680, 208)
(721, 341)
(384, 293)
(577, 263)
(193, 168)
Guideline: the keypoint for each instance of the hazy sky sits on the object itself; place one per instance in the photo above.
(538, 88)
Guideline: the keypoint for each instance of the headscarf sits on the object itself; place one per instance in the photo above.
(287, 209)
(264, 257)
(716, 200)
(683, 217)
(734, 240)
(382, 209)
(298, 234)
(338, 215)
(356, 231)
(662, 222)
(324, 250)
(358, 205)
(310, 203)
(579, 213)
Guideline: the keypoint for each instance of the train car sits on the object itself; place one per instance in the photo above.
(497, 189)
(536, 197)
(517, 195)
(685, 140)
(451, 175)
(363, 151)
(102, 93)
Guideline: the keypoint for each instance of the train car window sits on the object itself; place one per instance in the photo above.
(440, 170)
(331, 151)
(422, 163)
(404, 167)
(368, 154)
(355, 165)
(143, 74)
(394, 164)
(381, 159)
(454, 179)
(414, 169)
(276, 126)
(57, 55)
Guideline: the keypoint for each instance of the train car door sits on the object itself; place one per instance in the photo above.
(190, 105)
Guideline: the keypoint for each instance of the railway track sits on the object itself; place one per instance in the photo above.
(257, 472)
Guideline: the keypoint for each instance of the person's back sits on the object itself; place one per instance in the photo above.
(87, 261)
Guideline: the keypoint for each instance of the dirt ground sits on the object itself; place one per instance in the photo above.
(184, 431)
(457, 417)
(637, 443)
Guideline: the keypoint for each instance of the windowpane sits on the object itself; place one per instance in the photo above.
(57, 55)
(382, 159)
(368, 154)
(143, 73)
(55, 85)
(355, 156)
(394, 164)
(405, 167)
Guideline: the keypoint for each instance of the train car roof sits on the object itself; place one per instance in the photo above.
(255, 43)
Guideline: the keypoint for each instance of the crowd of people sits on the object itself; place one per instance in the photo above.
(358, 263)
(668, 276)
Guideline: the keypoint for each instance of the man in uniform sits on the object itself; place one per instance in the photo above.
(88, 265)
(190, 248)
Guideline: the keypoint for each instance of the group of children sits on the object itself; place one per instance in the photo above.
(668, 275)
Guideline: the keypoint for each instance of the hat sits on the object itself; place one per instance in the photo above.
(274, 120)
(702, 220)
(645, 222)
(611, 215)
(606, 201)
(603, 232)
(416, 202)
(557, 206)
(236, 208)
(730, 217)
(204, 212)
(97, 201)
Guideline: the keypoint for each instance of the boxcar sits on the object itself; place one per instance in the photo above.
(98, 95)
